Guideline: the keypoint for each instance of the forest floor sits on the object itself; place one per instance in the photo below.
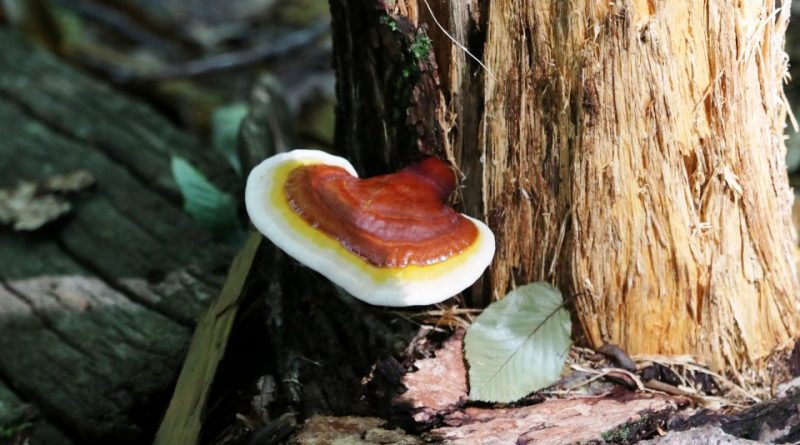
(106, 279)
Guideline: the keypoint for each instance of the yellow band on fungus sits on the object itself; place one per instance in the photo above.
(377, 274)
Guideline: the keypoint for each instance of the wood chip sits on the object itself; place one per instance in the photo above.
(439, 385)
(576, 420)
(320, 430)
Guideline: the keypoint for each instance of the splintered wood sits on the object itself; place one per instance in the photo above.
(632, 152)
(581, 420)
(439, 386)
(434, 397)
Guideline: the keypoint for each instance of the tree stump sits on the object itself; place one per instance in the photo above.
(631, 152)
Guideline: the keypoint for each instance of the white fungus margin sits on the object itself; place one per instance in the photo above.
(400, 289)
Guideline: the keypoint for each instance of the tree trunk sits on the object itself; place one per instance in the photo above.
(631, 152)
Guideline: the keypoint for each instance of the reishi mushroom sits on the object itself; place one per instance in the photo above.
(388, 240)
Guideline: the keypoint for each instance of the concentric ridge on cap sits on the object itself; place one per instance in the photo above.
(413, 284)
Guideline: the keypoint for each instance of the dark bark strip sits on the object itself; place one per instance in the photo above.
(388, 98)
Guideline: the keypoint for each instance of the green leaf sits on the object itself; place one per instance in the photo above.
(212, 208)
(518, 344)
(225, 124)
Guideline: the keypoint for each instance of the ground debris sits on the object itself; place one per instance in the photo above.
(435, 395)
(618, 356)
(320, 430)
(26, 210)
(706, 435)
(30, 206)
(577, 420)
(439, 385)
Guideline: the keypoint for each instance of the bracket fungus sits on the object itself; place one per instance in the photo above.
(388, 240)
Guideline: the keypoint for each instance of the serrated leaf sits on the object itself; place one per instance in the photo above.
(518, 344)
(212, 208)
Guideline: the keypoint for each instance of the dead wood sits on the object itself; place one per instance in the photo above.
(775, 421)
(187, 409)
(97, 308)
(320, 430)
(698, 436)
(324, 340)
(619, 150)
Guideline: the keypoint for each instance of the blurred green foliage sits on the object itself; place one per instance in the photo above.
(225, 124)
(210, 207)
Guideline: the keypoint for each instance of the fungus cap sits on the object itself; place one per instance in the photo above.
(389, 240)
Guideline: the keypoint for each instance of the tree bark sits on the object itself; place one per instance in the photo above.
(631, 152)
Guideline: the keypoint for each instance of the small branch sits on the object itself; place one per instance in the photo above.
(238, 59)
(122, 23)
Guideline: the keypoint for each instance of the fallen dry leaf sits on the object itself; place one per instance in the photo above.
(26, 210)
(29, 206)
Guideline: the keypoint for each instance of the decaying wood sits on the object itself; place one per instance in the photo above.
(97, 309)
(631, 152)
(19, 419)
(774, 421)
(385, 119)
(699, 436)
(433, 395)
(322, 430)
(12, 410)
(186, 412)
(430, 399)
(439, 384)
(323, 341)
(79, 374)
(316, 342)
(128, 219)
(313, 340)
(267, 128)
(579, 420)
(127, 147)
(78, 108)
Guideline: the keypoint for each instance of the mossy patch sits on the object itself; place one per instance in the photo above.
(420, 47)
(636, 430)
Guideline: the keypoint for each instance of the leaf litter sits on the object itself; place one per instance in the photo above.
(30, 206)
(586, 367)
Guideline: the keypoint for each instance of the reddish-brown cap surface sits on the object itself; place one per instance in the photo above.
(388, 240)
